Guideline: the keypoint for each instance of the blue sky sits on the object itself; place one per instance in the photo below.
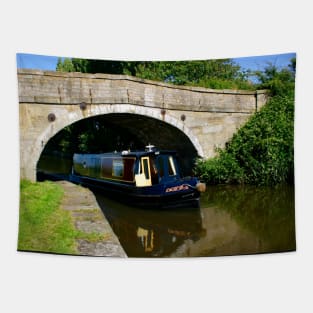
(259, 62)
(38, 62)
(33, 61)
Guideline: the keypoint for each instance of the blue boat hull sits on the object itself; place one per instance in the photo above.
(182, 192)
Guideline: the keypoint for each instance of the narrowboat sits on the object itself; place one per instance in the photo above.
(150, 177)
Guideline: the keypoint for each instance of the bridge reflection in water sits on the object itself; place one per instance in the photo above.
(231, 221)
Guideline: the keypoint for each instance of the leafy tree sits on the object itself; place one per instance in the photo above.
(65, 65)
(222, 73)
(279, 82)
(90, 66)
(208, 73)
(262, 151)
(292, 66)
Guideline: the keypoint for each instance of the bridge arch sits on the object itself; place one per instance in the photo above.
(152, 115)
(207, 117)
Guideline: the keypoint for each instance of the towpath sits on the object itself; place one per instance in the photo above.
(88, 218)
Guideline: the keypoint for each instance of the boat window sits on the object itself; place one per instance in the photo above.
(118, 168)
(161, 166)
(154, 171)
(171, 166)
(129, 167)
(106, 167)
(146, 167)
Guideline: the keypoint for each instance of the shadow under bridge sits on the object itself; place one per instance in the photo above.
(122, 131)
(134, 132)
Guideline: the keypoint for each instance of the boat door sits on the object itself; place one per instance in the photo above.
(143, 178)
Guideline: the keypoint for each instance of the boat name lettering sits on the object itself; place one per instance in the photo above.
(177, 188)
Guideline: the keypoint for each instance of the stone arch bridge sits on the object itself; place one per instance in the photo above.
(166, 115)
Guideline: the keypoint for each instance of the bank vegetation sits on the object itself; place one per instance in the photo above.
(262, 151)
(43, 226)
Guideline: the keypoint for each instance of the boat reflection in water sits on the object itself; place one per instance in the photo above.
(232, 220)
(151, 233)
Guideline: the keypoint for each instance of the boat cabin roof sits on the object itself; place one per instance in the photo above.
(128, 153)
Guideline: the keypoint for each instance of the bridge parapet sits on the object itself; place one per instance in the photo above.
(74, 88)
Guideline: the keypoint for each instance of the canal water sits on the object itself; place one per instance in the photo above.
(231, 220)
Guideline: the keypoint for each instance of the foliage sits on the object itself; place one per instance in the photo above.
(92, 135)
(279, 82)
(208, 73)
(222, 74)
(221, 169)
(260, 153)
(65, 66)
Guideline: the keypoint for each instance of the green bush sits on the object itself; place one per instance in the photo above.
(219, 170)
(260, 153)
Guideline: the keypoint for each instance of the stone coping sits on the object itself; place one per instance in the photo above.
(138, 80)
(89, 218)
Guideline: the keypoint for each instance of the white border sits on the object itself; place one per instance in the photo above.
(155, 30)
